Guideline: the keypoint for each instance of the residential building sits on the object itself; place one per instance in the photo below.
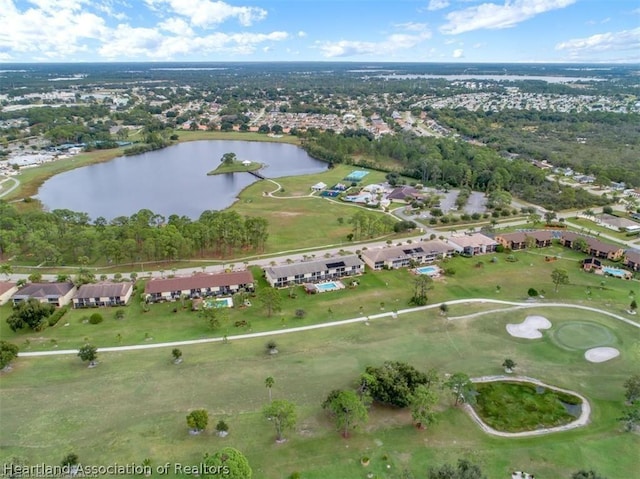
(617, 223)
(393, 257)
(473, 244)
(319, 186)
(632, 259)
(58, 294)
(520, 239)
(198, 286)
(594, 247)
(314, 271)
(102, 294)
(6, 291)
(591, 264)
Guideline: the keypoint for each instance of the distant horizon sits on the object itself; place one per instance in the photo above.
(417, 31)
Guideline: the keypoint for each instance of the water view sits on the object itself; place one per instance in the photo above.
(171, 181)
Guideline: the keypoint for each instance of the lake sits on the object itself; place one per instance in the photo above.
(172, 180)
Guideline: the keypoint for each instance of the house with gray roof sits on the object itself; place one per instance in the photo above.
(58, 294)
(473, 244)
(632, 259)
(314, 271)
(392, 257)
(102, 294)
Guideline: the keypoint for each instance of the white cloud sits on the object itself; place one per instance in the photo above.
(58, 29)
(459, 53)
(205, 13)
(391, 45)
(176, 26)
(493, 16)
(412, 26)
(437, 5)
(66, 29)
(602, 42)
(302, 34)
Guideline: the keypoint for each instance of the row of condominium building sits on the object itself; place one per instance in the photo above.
(404, 255)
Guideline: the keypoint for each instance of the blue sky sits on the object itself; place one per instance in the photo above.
(314, 30)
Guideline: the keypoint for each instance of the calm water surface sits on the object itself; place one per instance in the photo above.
(171, 181)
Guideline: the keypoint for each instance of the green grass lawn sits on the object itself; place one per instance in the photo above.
(133, 405)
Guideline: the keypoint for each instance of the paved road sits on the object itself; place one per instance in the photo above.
(6, 181)
(331, 324)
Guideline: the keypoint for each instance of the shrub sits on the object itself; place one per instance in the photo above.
(499, 249)
(449, 271)
(120, 314)
(57, 315)
(95, 318)
(300, 313)
(532, 292)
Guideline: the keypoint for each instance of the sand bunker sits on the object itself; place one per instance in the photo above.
(600, 355)
(529, 328)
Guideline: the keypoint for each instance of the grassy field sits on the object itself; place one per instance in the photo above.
(133, 405)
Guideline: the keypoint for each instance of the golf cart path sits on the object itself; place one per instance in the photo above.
(583, 419)
(331, 324)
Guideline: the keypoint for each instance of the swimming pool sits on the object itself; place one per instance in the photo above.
(430, 270)
(218, 303)
(329, 286)
(618, 273)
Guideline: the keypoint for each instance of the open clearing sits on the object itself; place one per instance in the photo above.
(133, 405)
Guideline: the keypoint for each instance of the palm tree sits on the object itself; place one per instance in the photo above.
(269, 382)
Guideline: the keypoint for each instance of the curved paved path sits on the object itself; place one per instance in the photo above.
(583, 420)
(8, 179)
(331, 324)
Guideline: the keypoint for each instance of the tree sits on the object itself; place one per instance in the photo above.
(421, 284)
(509, 365)
(30, 313)
(632, 389)
(177, 355)
(549, 216)
(211, 316)
(559, 276)
(282, 414)
(222, 428)
(580, 244)
(70, 459)
(392, 383)
(582, 474)
(270, 299)
(631, 417)
(197, 420)
(269, 382)
(464, 470)
(272, 347)
(422, 402)
(6, 270)
(444, 309)
(633, 306)
(462, 388)
(8, 352)
(89, 353)
(347, 408)
(229, 463)
(228, 159)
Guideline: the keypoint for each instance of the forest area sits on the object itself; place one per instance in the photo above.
(448, 162)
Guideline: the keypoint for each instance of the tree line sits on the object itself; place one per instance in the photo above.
(66, 237)
(447, 161)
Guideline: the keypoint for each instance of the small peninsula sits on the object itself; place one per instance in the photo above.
(230, 164)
